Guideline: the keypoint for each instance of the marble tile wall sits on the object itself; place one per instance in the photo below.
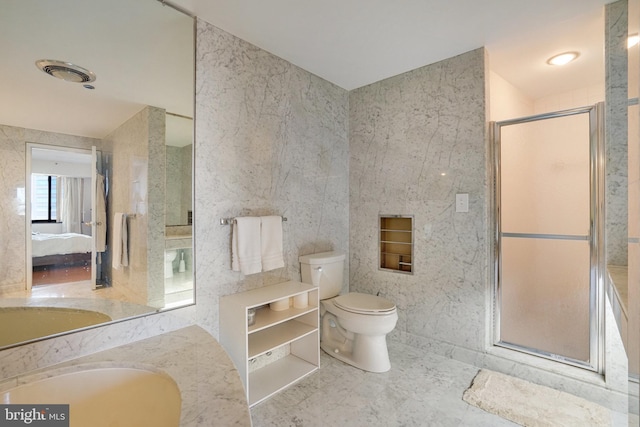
(415, 141)
(155, 207)
(271, 138)
(13, 142)
(138, 150)
(616, 116)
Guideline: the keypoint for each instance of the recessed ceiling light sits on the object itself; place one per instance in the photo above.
(563, 58)
(632, 40)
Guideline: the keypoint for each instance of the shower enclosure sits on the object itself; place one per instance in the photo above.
(548, 230)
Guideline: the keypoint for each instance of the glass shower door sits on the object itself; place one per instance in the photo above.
(546, 235)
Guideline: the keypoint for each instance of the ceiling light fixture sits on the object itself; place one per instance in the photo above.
(632, 40)
(66, 71)
(563, 58)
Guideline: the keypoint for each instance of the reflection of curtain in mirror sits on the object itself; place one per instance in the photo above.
(71, 212)
(101, 215)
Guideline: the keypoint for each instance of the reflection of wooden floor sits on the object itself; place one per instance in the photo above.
(52, 276)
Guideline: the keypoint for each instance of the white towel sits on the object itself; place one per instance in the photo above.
(271, 243)
(120, 254)
(245, 245)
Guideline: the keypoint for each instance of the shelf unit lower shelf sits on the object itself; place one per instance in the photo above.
(284, 333)
(276, 376)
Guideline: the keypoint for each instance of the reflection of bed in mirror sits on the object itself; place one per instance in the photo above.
(60, 249)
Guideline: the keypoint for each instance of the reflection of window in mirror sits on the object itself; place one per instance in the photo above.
(44, 198)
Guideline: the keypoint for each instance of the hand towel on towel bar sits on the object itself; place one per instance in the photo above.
(271, 243)
(120, 241)
(245, 245)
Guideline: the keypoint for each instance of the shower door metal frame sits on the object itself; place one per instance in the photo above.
(595, 237)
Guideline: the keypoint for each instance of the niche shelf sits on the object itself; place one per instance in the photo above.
(396, 243)
(292, 332)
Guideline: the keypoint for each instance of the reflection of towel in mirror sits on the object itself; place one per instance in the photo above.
(120, 255)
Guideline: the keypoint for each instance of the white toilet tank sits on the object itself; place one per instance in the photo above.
(325, 270)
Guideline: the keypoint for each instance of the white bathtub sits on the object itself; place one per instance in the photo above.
(101, 397)
(19, 324)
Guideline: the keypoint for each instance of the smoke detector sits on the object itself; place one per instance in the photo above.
(66, 71)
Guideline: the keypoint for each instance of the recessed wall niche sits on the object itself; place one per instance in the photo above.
(396, 243)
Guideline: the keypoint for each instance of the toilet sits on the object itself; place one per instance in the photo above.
(354, 326)
(169, 257)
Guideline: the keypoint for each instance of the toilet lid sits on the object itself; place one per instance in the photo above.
(356, 302)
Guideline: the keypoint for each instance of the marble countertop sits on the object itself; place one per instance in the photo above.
(115, 309)
(212, 393)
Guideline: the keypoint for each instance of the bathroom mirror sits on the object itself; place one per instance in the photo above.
(131, 127)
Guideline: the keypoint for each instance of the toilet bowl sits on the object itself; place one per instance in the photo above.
(354, 326)
(355, 335)
(169, 257)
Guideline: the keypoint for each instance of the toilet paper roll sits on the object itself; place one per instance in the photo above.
(280, 305)
(301, 301)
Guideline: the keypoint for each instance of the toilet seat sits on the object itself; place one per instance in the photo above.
(359, 303)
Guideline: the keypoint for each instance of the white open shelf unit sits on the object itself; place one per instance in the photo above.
(296, 327)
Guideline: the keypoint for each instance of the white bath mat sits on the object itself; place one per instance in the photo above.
(530, 404)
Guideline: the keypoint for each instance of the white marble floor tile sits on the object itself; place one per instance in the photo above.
(420, 390)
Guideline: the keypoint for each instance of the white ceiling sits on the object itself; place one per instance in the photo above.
(353, 43)
(56, 155)
(141, 51)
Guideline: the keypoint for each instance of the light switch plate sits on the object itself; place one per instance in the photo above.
(462, 202)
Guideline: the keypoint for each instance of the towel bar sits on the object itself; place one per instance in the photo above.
(229, 221)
